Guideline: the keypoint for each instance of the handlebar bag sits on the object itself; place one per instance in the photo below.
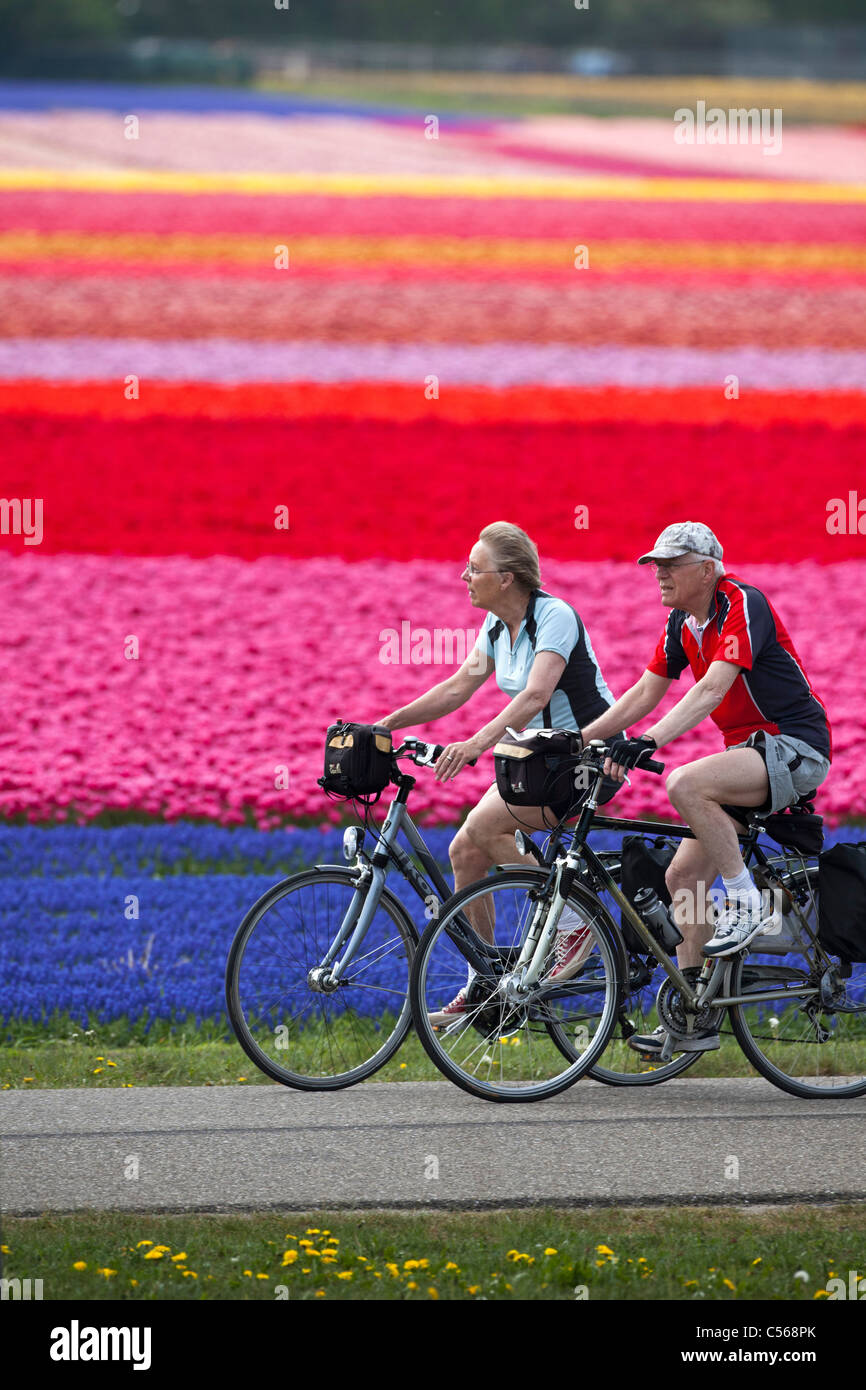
(537, 768)
(358, 759)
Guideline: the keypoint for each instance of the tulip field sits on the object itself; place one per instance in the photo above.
(270, 366)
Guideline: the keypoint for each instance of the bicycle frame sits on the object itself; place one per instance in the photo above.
(714, 971)
(580, 861)
(373, 873)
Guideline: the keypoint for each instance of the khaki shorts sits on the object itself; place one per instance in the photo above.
(794, 768)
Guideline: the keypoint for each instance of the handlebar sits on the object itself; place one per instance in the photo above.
(424, 754)
(599, 750)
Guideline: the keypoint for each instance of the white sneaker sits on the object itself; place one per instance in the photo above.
(737, 926)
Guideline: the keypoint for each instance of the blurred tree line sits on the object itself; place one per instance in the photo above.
(25, 24)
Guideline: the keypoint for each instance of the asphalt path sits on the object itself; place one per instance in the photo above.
(420, 1145)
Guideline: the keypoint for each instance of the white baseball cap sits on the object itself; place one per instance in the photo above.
(682, 538)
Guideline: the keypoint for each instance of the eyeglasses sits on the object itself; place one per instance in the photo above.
(472, 570)
(663, 565)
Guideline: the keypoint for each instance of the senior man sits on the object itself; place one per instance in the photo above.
(751, 682)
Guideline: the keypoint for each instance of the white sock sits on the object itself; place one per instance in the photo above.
(570, 920)
(742, 891)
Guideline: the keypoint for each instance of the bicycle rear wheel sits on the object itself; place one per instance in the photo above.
(812, 1042)
(504, 1047)
(296, 1033)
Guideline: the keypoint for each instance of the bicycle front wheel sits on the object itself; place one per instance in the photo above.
(502, 1045)
(297, 1031)
(811, 1042)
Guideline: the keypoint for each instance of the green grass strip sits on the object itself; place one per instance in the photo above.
(640, 1254)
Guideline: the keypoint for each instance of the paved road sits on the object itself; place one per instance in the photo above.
(421, 1145)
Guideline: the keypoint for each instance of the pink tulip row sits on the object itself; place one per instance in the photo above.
(182, 687)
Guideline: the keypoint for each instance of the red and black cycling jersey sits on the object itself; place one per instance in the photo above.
(772, 691)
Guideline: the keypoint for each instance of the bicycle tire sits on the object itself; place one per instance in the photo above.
(783, 1041)
(477, 1051)
(335, 1038)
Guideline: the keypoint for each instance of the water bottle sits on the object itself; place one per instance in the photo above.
(656, 916)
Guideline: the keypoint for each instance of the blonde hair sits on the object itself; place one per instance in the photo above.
(513, 551)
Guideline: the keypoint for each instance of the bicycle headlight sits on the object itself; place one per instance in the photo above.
(520, 841)
(353, 839)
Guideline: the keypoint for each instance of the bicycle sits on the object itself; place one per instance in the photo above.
(317, 977)
(799, 1021)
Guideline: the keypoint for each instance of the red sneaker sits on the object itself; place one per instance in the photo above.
(570, 951)
(456, 1009)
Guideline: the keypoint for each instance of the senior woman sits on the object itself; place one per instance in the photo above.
(543, 659)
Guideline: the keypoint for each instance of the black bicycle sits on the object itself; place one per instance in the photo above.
(317, 978)
(797, 1012)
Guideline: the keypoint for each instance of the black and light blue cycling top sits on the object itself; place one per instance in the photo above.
(549, 625)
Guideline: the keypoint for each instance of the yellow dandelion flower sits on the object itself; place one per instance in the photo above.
(191, 1274)
(263, 1276)
(691, 1283)
(451, 1267)
(100, 1059)
(329, 1259)
(4, 1250)
(473, 1288)
(154, 1254)
(33, 1078)
(96, 1071)
(758, 1260)
(143, 1242)
(345, 1274)
(393, 1269)
(182, 1256)
(509, 1288)
(412, 1264)
(79, 1264)
(289, 1236)
(320, 1293)
(729, 1284)
(248, 1274)
(134, 1283)
(313, 1231)
(603, 1250)
(289, 1257)
(107, 1272)
(433, 1293)
(111, 1064)
(402, 1066)
(551, 1250)
(821, 1293)
(411, 1284)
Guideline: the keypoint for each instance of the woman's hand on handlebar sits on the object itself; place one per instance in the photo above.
(455, 756)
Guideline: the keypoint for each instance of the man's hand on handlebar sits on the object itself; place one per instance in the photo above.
(625, 753)
(454, 757)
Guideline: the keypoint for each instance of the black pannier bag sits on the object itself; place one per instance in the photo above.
(643, 866)
(538, 767)
(357, 759)
(842, 901)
